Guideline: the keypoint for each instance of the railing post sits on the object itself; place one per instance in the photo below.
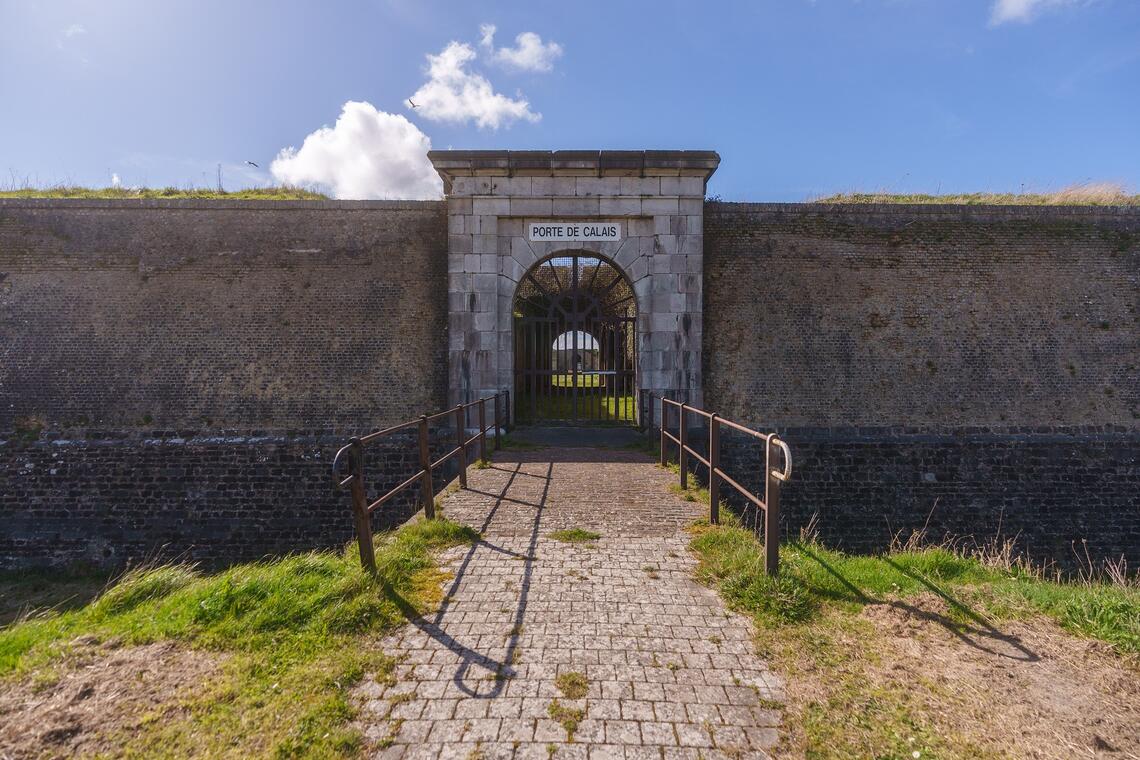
(360, 518)
(714, 464)
(771, 515)
(682, 427)
(498, 430)
(483, 429)
(427, 496)
(507, 398)
(460, 434)
(661, 453)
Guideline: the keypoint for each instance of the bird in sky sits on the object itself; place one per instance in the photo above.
(412, 103)
(255, 166)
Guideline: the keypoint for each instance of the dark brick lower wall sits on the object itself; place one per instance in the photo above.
(115, 501)
(1049, 489)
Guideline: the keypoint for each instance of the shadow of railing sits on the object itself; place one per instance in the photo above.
(982, 634)
(500, 669)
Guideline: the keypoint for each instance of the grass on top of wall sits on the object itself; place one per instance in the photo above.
(1089, 194)
(171, 193)
(290, 636)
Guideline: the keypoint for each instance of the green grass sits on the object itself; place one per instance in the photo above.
(1092, 194)
(595, 407)
(567, 717)
(148, 193)
(298, 633)
(572, 685)
(845, 698)
(813, 578)
(584, 381)
(695, 492)
(575, 536)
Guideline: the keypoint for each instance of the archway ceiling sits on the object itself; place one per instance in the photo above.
(598, 280)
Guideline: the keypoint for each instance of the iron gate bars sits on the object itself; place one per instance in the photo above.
(773, 479)
(575, 335)
(353, 454)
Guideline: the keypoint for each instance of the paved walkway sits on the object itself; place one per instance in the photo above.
(669, 673)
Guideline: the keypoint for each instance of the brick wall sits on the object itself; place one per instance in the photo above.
(127, 498)
(981, 358)
(165, 315)
(164, 365)
(177, 374)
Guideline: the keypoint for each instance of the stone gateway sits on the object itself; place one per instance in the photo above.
(176, 375)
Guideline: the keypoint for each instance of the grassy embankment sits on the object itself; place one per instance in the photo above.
(852, 691)
(172, 193)
(1089, 194)
(293, 635)
(858, 688)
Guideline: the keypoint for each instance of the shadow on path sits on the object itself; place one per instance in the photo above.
(435, 626)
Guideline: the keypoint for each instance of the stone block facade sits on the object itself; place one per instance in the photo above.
(655, 198)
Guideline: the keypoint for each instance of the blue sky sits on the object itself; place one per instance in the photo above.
(800, 98)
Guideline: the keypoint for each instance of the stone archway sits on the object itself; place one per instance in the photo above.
(643, 211)
(574, 319)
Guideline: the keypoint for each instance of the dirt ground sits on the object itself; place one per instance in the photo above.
(100, 692)
(1024, 689)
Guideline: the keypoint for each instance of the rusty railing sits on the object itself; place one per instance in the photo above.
(353, 454)
(769, 504)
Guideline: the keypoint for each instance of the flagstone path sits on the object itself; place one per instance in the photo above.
(669, 672)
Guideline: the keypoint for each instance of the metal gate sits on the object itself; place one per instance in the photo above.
(575, 320)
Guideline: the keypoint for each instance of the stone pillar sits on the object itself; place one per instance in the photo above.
(657, 199)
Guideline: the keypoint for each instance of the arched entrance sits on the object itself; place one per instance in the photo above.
(575, 327)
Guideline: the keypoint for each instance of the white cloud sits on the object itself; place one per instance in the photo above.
(487, 35)
(366, 154)
(530, 53)
(455, 94)
(1023, 11)
(66, 37)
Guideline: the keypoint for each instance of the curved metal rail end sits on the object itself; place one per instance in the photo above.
(786, 475)
(338, 481)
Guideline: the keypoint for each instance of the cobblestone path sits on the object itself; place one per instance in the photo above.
(669, 672)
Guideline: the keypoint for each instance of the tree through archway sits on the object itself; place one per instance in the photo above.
(575, 326)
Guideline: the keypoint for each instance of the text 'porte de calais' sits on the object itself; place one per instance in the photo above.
(562, 232)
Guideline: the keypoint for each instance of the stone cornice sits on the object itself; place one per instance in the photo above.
(573, 163)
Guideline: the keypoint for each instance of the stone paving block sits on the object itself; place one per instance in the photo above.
(607, 752)
(623, 732)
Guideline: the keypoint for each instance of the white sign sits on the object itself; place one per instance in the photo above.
(572, 232)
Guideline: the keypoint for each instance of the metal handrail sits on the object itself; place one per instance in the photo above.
(352, 453)
(773, 478)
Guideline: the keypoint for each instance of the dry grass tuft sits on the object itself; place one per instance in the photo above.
(1082, 194)
(282, 193)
